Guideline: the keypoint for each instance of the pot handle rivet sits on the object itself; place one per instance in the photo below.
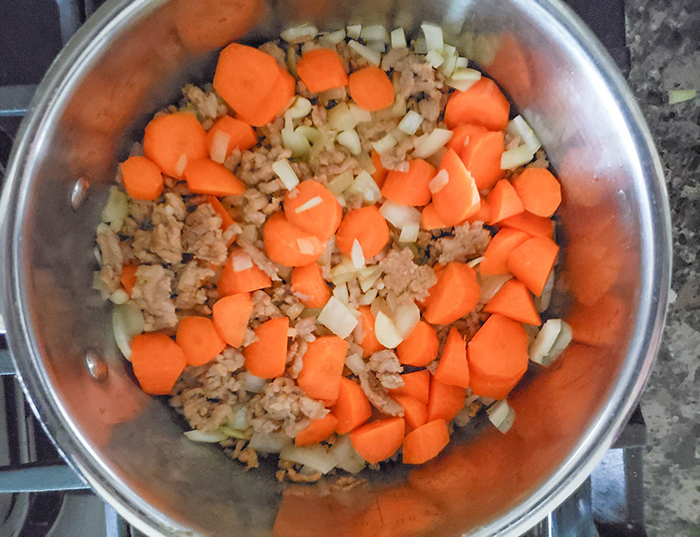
(79, 192)
(96, 366)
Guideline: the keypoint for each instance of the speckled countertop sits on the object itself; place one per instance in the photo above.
(663, 38)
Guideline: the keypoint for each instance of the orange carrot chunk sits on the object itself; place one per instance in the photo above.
(142, 178)
(452, 367)
(535, 226)
(317, 431)
(455, 295)
(235, 279)
(379, 440)
(415, 413)
(369, 342)
(462, 134)
(426, 442)
(482, 157)
(231, 315)
(429, 218)
(420, 347)
(172, 140)
(288, 245)
(415, 384)
(157, 361)
(312, 208)
(515, 302)
(198, 338)
(445, 400)
(410, 187)
(266, 357)
(539, 191)
(309, 285)
(483, 214)
(371, 88)
(459, 198)
(321, 69)
(226, 218)
(380, 172)
(497, 252)
(367, 226)
(504, 201)
(482, 104)
(240, 135)
(204, 176)
(128, 277)
(274, 103)
(352, 407)
(532, 261)
(322, 367)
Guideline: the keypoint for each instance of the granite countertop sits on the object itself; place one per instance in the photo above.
(663, 38)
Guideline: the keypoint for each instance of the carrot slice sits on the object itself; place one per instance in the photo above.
(157, 361)
(535, 226)
(369, 343)
(231, 315)
(380, 172)
(240, 134)
(323, 367)
(462, 135)
(371, 88)
(482, 104)
(266, 357)
(226, 218)
(429, 218)
(142, 178)
(497, 356)
(199, 339)
(415, 384)
(321, 69)
(539, 191)
(532, 261)
(352, 407)
(379, 440)
(288, 245)
(426, 442)
(503, 201)
(497, 252)
(420, 347)
(308, 283)
(367, 226)
(274, 103)
(128, 277)
(455, 294)
(445, 401)
(452, 367)
(514, 301)
(482, 157)
(204, 176)
(415, 413)
(172, 140)
(317, 431)
(410, 187)
(242, 281)
(483, 214)
(459, 198)
(312, 208)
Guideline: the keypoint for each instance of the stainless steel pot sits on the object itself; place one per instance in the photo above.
(129, 59)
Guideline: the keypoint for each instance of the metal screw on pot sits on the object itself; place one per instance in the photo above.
(96, 366)
(79, 192)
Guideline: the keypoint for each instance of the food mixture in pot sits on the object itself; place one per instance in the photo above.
(336, 253)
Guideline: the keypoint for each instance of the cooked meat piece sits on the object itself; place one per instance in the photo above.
(351, 58)
(112, 258)
(259, 258)
(469, 241)
(294, 358)
(304, 329)
(406, 279)
(378, 394)
(466, 326)
(249, 337)
(141, 246)
(205, 103)
(256, 165)
(151, 293)
(189, 286)
(165, 239)
(387, 368)
(140, 210)
(276, 52)
(202, 235)
(244, 453)
(263, 308)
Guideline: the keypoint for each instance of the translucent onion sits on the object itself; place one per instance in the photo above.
(379, 46)
(461, 62)
(513, 158)
(219, 146)
(365, 185)
(410, 123)
(433, 36)
(406, 318)
(360, 114)
(345, 455)
(341, 293)
(357, 255)
(335, 37)
(419, 45)
(460, 85)
(491, 284)
(552, 339)
(409, 233)
(464, 73)
(340, 183)
(292, 59)
(341, 117)
(284, 171)
(474, 262)
(312, 134)
(439, 182)
(325, 258)
(296, 143)
(315, 456)
(372, 56)
(519, 127)
(307, 246)
(385, 331)
(337, 318)
(127, 323)
(398, 38)
(355, 363)
(350, 140)
(368, 297)
(354, 31)
(205, 437)
(120, 296)
(385, 144)
(116, 210)
(241, 261)
(269, 442)
(253, 384)
(434, 58)
(501, 415)
(398, 215)
(448, 66)
(240, 417)
(316, 200)
(367, 279)
(374, 32)
(542, 302)
(301, 107)
(297, 34)
(429, 144)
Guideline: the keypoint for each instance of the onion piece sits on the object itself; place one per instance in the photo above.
(434, 58)
(241, 261)
(292, 60)
(205, 437)
(542, 302)
(337, 318)
(340, 183)
(127, 323)
(386, 332)
(365, 185)
(406, 318)
(312, 134)
(327, 254)
(180, 165)
(316, 200)
(357, 255)
(345, 455)
(120, 296)
(461, 62)
(367, 277)
(219, 146)
(460, 85)
(439, 182)
(341, 118)
(491, 284)
(307, 246)
(410, 123)
(253, 384)
(368, 297)
(315, 456)
(433, 36)
(429, 144)
(398, 38)
(355, 363)
(335, 37)
(360, 114)
(464, 73)
(374, 32)
(474, 262)
(501, 415)
(379, 46)
(285, 172)
(519, 127)
(372, 56)
(385, 144)
(295, 142)
(240, 417)
(301, 107)
(409, 233)
(448, 66)
(269, 442)
(341, 293)
(554, 336)
(230, 432)
(399, 215)
(116, 210)
(516, 157)
(354, 31)
(419, 45)
(350, 140)
(297, 34)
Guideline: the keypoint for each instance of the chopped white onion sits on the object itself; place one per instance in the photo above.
(410, 123)
(337, 318)
(340, 183)
(118, 297)
(312, 134)
(385, 144)
(180, 165)
(464, 73)
(341, 293)
(386, 332)
(253, 384)
(368, 276)
(439, 182)
(241, 261)
(127, 323)
(292, 60)
(516, 157)
(433, 36)
(354, 31)
(398, 215)
(269, 442)
(341, 118)
(449, 50)
(368, 297)
(409, 233)
(491, 284)
(419, 45)
(406, 318)
(372, 56)
(542, 302)
(309, 46)
(434, 58)
(429, 144)
(285, 172)
(345, 455)
(379, 46)
(307, 246)
(519, 127)
(357, 255)
(448, 66)
(316, 200)
(315, 456)
(350, 140)
(461, 62)
(501, 415)
(360, 114)
(398, 38)
(474, 262)
(116, 210)
(301, 107)
(240, 417)
(300, 33)
(460, 85)
(327, 254)
(554, 336)
(205, 437)
(219, 146)
(335, 37)
(343, 272)
(249, 233)
(365, 185)
(295, 142)
(355, 362)
(374, 32)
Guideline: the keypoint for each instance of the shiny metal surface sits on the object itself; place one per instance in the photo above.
(131, 58)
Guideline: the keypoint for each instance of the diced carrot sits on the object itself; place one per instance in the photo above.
(317, 431)
(266, 357)
(420, 347)
(288, 245)
(128, 277)
(410, 187)
(226, 218)
(321, 69)
(378, 440)
(459, 198)
(532, 261)
(243, 281)
(231, 315)
(514, 301)
(275, 103)
(482, 157)
(482, 104)
(322, 367)
(157, 361)
(535, 226)
(199, 339)
(445, 401)
(367, 226)
(308, 283)
(454, 296)
(483, 214)
(452, 367)
(352, 407)
(503, 201)
(539, 191)
(371, 88)
(429, 218)
(240, 134)
(415, 413)
(142, 178)
(415, 384)
(462, 134)
(426, 442)
(172, 140)
(321, 219)
(369, 343)
(497, 356)
(380, 172)
(497, 252)
(204, 176)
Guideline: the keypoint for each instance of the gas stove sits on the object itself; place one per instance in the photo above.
(41, 496)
